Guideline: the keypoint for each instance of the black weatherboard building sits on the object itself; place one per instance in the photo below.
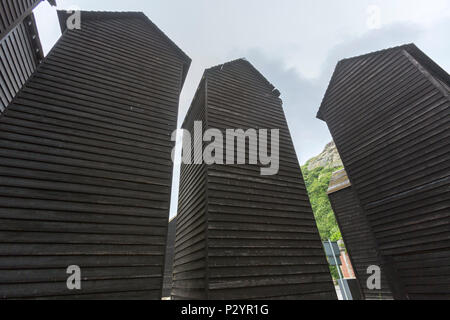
(85, 163)
(241, 235)
(170, 251)
(20, 47)
(388, 113)
(357, 235)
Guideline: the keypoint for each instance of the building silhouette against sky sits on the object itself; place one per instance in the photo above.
(85, 163)
(388, 113)
(240, 234)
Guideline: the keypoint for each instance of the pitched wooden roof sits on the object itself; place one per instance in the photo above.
(426, 62)
(104, 15)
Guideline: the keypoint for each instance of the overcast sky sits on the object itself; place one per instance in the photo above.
(294, 43)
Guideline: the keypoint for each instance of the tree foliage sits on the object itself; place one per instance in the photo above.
(317, 182)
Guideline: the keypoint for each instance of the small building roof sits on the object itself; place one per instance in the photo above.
(339, 180)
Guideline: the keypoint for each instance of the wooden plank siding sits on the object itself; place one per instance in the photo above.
(85, 163)
(388, 113)
(357, 235)
(170, 253)
(190, 268)
(241, 235)
(13, 12)
(20, 47)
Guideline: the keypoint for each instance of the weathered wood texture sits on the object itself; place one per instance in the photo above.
(241, 235)
(20, 47)
(389, 115)
(13, 12)
(85, 163)
(190, 269)
(170, 253)
(357, 235)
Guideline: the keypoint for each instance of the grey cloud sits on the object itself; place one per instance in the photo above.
(302, 96)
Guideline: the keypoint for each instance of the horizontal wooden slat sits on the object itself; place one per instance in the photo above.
(256, 238)
(85, 168)
(388, 114)
(359, 242)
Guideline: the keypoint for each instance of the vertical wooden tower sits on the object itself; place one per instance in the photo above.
(85, 163)
(358, 236)
(242, 235)
(389, 115)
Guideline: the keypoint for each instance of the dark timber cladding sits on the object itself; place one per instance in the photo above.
(357, 235)
(13, 12)
(389, 115)
(85, 163)
(170, 252)
(241, 235)
(20, 47)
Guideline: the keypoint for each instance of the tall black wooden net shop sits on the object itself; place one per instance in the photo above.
(357, 235)
(388, 113)
(241, 235)
(85, 161)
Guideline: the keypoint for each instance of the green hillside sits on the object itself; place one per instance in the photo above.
(317, 181)
(317, 174)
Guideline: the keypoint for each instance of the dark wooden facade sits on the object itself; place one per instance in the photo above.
(388, 113)
(85, 163)
(13, 12)
(20, 47)
(241, 235)
(170, 252)
(357, 235)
